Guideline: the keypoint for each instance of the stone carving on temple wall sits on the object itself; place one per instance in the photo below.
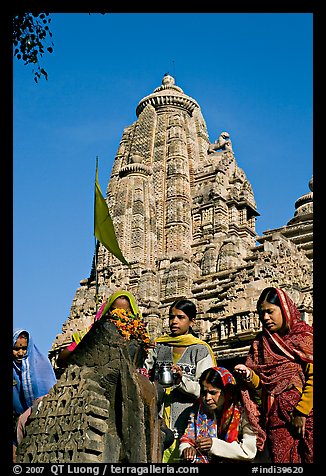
(230, 255)
(176, 280)
(280, 264)
(208, 263)
(222, 143)
(148, 287)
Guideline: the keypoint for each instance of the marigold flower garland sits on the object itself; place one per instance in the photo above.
(130, 326)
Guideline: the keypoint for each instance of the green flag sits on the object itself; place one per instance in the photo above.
(103, 224)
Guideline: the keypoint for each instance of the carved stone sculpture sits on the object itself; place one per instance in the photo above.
(222, 143)
(101, 409)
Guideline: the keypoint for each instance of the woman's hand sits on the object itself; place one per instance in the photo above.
(177, 371)
(299, 424)
(242, 371)
(62, 358)
(189, 453)
(204, 444)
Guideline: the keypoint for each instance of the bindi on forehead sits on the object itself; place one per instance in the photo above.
(21, 342)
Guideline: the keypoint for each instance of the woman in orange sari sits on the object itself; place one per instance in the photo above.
(280, 366)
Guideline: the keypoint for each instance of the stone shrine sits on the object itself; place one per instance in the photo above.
(184, 215)
(100, 410)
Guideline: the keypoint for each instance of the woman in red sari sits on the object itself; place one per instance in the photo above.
(280, 367)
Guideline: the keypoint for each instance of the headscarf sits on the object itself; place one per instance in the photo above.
(33, 378)
(226, 426)
(105, 307)
(278, 360)
(120, 292)
(298, 341)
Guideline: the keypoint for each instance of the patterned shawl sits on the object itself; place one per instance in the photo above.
(33, 378)
(226, 424)
(278, 361)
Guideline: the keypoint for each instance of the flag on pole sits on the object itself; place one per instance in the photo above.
(103, 224)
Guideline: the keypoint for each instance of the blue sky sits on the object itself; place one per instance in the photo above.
(251, 74)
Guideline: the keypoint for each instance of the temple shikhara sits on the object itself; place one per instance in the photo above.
(184, 215)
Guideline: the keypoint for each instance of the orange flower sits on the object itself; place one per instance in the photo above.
(130, 326)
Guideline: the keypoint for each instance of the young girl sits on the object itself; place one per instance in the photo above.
(188, 357)
(218, 427)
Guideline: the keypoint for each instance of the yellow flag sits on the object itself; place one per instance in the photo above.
(103, 224)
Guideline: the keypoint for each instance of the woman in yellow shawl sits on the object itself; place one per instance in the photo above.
(188, 357)
(120, 299)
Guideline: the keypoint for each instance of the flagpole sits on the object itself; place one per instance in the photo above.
(96, 275)
(96, 253)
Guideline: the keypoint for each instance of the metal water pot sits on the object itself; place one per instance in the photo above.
(165, 376)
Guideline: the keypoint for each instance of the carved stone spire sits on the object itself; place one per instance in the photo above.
(168, 94)
(184, 215)
(304, 206)
(149, 193)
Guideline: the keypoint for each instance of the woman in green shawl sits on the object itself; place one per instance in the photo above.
(188, 357)
(120, 299)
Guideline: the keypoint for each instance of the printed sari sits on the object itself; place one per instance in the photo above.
(280, 363)
(226, 423)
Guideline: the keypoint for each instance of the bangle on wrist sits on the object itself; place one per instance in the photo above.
(248, 377)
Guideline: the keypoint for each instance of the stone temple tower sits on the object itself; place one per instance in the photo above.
(184, 215)
(150, 191)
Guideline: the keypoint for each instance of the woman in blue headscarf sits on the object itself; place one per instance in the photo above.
(33, 375)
